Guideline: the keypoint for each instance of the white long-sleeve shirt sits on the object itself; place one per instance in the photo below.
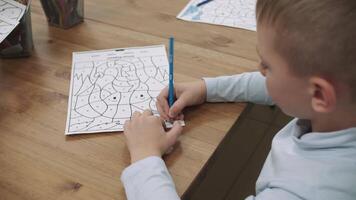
(301, 165)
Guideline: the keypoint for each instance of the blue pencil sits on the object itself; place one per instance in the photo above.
(203, 2)
(171, 86)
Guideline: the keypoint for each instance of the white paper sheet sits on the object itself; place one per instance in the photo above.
(108, 86)
(11, 9)
(6, 26)
(233, 13)
(10, 15)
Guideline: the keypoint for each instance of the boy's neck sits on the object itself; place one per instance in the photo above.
(333, 122)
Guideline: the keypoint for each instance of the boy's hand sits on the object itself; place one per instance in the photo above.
(187, 94)
(146, 136)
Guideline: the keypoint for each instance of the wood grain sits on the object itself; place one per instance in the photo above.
(38, 162)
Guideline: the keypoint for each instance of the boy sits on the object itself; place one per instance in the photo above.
(308, 63)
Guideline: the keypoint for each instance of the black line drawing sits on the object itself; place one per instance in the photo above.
(10, 15)
(12, 10)
(108, 86)
(233, 13)
(6, 26)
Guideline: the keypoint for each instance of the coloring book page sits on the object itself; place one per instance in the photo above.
(10, 15)
(12, 10)
(6, 26)
(108, 86)
(233, 13)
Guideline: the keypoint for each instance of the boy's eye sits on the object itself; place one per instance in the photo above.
(263, 66)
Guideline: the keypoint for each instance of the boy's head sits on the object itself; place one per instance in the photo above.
(316, 41)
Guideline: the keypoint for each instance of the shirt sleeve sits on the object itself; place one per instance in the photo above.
(245, 87)
(148, 179)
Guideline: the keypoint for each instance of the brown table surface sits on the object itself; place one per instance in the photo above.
(233, 169)
(37, 161)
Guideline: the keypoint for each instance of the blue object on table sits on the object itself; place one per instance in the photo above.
(203, 2)
(171, 86)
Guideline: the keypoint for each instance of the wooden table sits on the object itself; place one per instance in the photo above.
(37, 161)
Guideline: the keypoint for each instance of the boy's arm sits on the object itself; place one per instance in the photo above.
(149, 179)
(238, 88)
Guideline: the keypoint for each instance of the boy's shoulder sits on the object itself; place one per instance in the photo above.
(312, 165)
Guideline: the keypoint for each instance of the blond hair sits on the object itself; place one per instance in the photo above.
(316, 37)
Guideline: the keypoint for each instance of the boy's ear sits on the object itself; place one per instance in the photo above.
(323, 99)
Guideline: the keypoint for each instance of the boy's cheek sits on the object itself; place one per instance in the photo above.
(277, 93)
